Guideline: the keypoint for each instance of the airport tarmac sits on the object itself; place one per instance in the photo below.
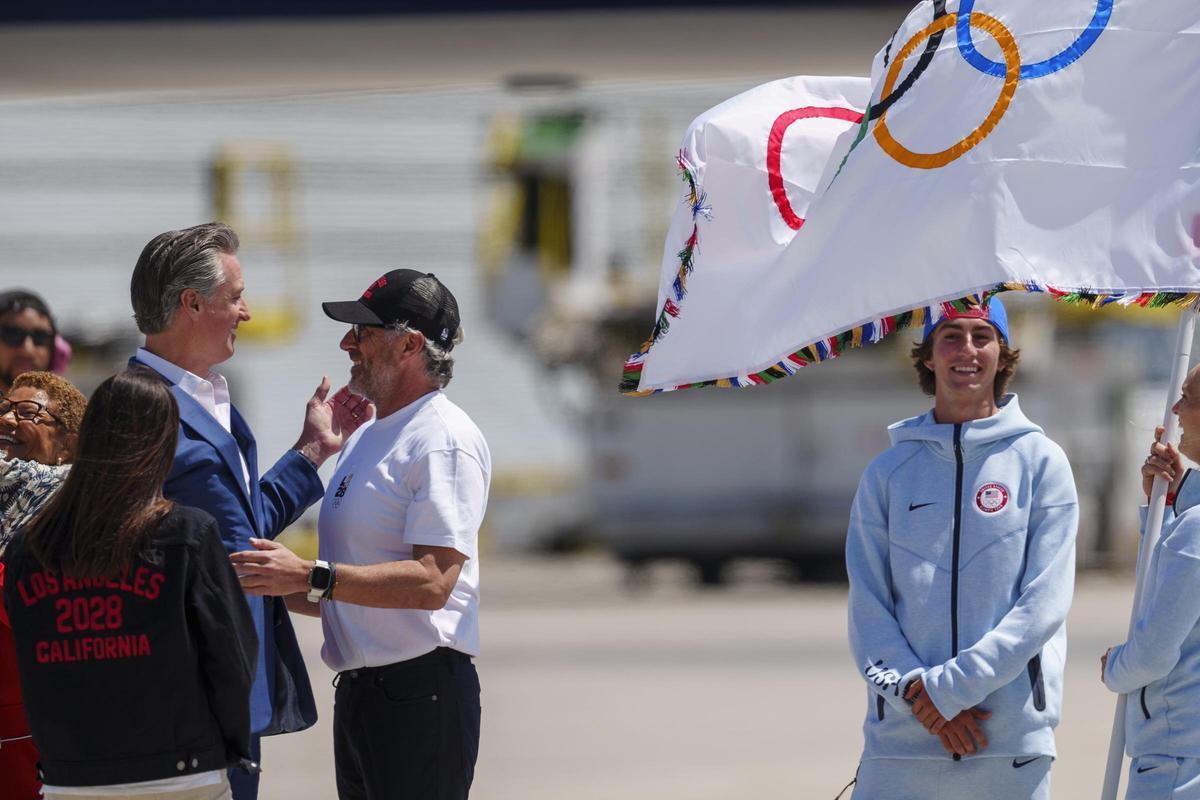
(593, 690)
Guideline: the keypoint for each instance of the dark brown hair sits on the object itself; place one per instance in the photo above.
(111, 501)
(1006, 366)
(15, 301)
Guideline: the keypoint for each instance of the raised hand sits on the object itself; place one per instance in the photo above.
(329, 421)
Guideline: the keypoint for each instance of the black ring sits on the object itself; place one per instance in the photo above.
(939, 11)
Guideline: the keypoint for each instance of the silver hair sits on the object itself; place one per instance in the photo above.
(174, 261)
(439, 362)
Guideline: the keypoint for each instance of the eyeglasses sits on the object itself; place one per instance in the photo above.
(15, 336)
(357, 329)
(28, 410)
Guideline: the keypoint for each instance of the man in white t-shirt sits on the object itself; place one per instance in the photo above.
(396, 583)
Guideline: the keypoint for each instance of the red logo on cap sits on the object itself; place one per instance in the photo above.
(970, 312)
(379, 284)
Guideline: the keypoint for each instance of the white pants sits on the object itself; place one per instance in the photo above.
(218, 791)
(990, 777)
(1163, 778)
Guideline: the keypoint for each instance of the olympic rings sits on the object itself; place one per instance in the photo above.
(775, 153)
(877, 110)
(1042, 68)
(1012, 63)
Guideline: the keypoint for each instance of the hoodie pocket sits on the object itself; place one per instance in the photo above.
(1145, 708)
(879, 704)
(1037, 684)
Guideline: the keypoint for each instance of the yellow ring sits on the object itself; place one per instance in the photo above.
(1012, 74)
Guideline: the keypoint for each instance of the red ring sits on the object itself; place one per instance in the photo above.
(775, 152)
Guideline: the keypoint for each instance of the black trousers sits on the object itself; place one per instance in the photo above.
(409, 730)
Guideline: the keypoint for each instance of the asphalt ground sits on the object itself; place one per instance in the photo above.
(594, 690)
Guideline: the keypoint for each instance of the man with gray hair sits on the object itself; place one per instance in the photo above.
(187, 299)
(396, 583)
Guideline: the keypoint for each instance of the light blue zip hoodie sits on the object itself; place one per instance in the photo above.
(961, 557)
(1159, 667)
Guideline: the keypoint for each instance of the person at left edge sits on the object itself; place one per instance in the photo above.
(29, 337)
(134, 645)
(40, 417)
(187, 299)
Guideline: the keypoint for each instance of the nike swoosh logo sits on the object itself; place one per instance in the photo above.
(1146, 769)
(1019, 764)
(915, 506)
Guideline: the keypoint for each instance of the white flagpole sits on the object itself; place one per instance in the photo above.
(1154, 519)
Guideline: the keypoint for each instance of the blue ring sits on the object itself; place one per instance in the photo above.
(1042, 68)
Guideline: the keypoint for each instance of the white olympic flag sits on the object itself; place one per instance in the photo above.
(1007, 145)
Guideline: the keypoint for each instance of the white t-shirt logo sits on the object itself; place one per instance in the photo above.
(991, 497)
(341, 490)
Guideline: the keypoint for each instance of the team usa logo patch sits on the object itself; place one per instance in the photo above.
(341, 490)
(991, 497)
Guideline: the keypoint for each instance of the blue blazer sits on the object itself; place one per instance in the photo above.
(207, 474)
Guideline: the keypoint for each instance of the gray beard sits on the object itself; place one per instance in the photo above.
(361, 387)
(373, 383)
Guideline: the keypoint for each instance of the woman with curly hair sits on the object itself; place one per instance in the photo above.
(39, 429)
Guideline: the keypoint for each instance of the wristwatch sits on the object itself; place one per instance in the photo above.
(320, 578)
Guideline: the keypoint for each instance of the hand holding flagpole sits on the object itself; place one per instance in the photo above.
(1154, 519)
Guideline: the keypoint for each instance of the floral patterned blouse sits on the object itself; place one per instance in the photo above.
(25, 486)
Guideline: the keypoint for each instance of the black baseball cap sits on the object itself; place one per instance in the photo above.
(406, 296)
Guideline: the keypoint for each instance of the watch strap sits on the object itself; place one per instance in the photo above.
(315, 593)
(328, 593)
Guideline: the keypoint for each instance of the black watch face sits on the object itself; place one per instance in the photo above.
(319, 579)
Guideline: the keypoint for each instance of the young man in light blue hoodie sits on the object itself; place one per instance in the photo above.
(1159, 666)
(961, 557)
